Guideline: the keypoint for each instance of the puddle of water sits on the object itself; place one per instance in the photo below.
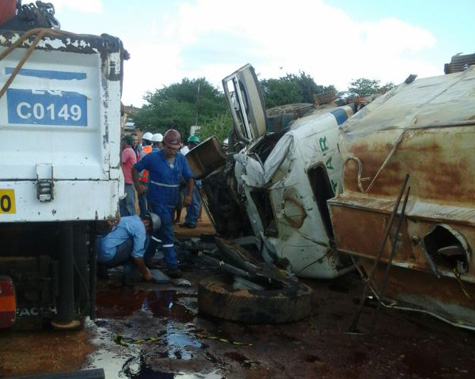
(127, 312)
(180, 341)
(117, 303)
(166, 304)
(136, 368)
(176, 335)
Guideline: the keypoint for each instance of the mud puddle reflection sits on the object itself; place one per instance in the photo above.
(147, 334)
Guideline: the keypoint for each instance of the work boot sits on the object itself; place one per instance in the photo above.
(187, 225)
(174, 273)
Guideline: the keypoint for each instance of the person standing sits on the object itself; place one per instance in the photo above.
(166, 169)
(128, 159)
(181, 193)
(143, 177)
(193, 210)
(136, 146)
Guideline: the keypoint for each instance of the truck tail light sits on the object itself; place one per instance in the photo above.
(7, 302)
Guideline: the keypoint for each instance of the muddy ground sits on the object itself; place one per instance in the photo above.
(160, 334)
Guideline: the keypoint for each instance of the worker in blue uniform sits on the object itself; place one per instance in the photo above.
(166, 169)
(125, 242)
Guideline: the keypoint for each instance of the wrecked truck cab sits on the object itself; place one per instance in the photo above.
(285, 193)
(278, 183)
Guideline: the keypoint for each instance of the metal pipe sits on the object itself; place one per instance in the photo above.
(388, 267)
(357, 315)
(225, 266)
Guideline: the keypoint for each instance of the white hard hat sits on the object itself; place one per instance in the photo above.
(157, 137)
(225, 142)
(148, 136)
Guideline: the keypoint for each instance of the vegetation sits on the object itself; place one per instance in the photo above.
(219, 127)
(292, 89)
(365, 87)
(181, 105)
(197, 102)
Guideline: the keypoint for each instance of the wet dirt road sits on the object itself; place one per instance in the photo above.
(155, 331)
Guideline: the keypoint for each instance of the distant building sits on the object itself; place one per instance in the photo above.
(127, 121)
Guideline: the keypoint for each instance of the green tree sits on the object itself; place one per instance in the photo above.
(292, 89)
(219, 127)
(197, 102)
(281, 91)
(308, 87)
(180, 106)
(366, 87)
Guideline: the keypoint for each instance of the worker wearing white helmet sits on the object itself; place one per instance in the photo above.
(147, 136)
(157, 141)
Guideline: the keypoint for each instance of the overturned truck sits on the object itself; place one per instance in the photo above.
(423, 130)
(281, 170)
(267, 199)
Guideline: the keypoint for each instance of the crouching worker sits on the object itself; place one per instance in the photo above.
(125, 243)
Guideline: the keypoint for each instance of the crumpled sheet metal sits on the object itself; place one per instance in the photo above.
(302, 237)
(429, 102)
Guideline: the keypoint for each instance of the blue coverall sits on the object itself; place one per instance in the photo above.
(163, 186)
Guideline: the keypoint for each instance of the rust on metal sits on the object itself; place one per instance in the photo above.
(427, 129)
(294, 212)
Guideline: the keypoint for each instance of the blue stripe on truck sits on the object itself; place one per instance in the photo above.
(48, 74)
(340, 115)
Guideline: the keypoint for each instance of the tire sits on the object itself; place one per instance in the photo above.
(287, 301)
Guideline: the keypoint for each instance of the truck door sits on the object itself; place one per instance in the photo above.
(246, 103)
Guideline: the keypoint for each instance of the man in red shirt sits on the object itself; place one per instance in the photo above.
(128, 159)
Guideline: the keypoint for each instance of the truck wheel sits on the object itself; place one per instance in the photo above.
(285, 301)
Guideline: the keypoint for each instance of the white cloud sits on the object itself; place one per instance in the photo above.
(148, 70)
(212, 38)
(86, 6)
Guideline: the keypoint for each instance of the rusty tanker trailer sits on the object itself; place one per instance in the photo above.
(420, 135)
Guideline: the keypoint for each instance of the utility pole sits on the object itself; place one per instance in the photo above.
(197, 104)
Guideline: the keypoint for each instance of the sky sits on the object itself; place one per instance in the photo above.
(333, 41)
